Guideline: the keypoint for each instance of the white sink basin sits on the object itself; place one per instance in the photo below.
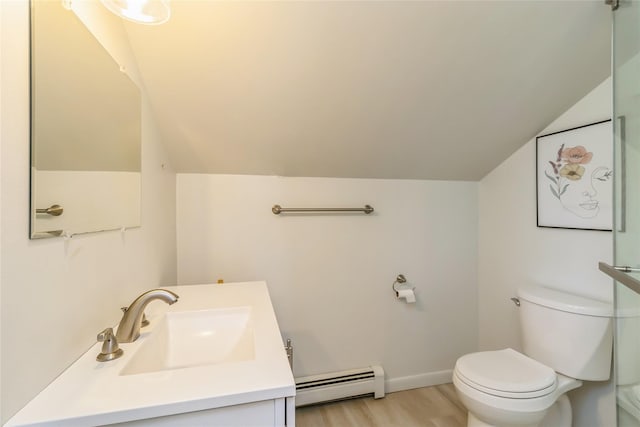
(219, 346)
(195, 338)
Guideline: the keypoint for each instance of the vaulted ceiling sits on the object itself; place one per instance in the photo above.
(365, 89)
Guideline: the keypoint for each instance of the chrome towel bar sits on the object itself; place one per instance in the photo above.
(277, 209)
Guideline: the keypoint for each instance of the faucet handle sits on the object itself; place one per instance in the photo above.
(110, 348)
(144, 322)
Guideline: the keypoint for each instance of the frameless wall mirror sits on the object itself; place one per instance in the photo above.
(85, 130)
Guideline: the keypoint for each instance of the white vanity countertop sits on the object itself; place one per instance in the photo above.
(94, 393)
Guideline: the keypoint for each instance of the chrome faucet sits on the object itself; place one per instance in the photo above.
(129, 327)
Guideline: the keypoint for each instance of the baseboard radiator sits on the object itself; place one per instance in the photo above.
(340, 385)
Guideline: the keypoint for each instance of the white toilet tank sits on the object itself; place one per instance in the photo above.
(571, 334)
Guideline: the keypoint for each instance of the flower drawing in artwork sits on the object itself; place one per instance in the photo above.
(572, 171)
(574, 179)
(576, 155)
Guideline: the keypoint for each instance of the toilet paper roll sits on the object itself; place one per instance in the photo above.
(407, 294)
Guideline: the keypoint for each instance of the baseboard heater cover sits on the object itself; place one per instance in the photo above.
(340, 385)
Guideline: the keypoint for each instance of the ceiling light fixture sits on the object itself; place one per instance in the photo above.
(150, 12)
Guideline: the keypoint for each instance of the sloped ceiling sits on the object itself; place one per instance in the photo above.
(365, 89)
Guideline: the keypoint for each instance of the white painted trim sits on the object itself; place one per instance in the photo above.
(417, 381)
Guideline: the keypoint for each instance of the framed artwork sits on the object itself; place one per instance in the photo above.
(574, 175)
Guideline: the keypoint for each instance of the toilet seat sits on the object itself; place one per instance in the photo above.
(506, 373)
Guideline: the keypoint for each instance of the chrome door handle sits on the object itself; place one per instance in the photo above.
(626, 268)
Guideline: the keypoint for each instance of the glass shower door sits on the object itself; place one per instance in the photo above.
(626, 120)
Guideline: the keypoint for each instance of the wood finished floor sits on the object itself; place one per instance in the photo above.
(436, 406)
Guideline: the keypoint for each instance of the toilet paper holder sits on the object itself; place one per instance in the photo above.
(399, 280)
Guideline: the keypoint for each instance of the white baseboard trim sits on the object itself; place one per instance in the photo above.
(417, 381)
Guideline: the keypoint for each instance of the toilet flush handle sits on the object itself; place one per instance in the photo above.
(516, 301)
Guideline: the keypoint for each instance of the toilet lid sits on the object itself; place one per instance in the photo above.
(506, 373)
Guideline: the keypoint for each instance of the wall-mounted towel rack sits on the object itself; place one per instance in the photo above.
(277, 209)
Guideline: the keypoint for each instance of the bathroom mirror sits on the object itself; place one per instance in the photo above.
(85, 130)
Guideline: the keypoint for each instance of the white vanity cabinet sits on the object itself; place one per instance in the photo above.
(266, 413)
(172, 375)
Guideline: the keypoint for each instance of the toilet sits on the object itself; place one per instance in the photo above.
(566, 339)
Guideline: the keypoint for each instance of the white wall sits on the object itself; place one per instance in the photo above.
(514, 252)
(330, 276)
(58, 294)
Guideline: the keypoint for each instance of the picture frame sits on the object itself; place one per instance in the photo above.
(574, 178)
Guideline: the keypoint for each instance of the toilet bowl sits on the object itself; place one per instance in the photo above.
(507, 388)
(567, 339)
